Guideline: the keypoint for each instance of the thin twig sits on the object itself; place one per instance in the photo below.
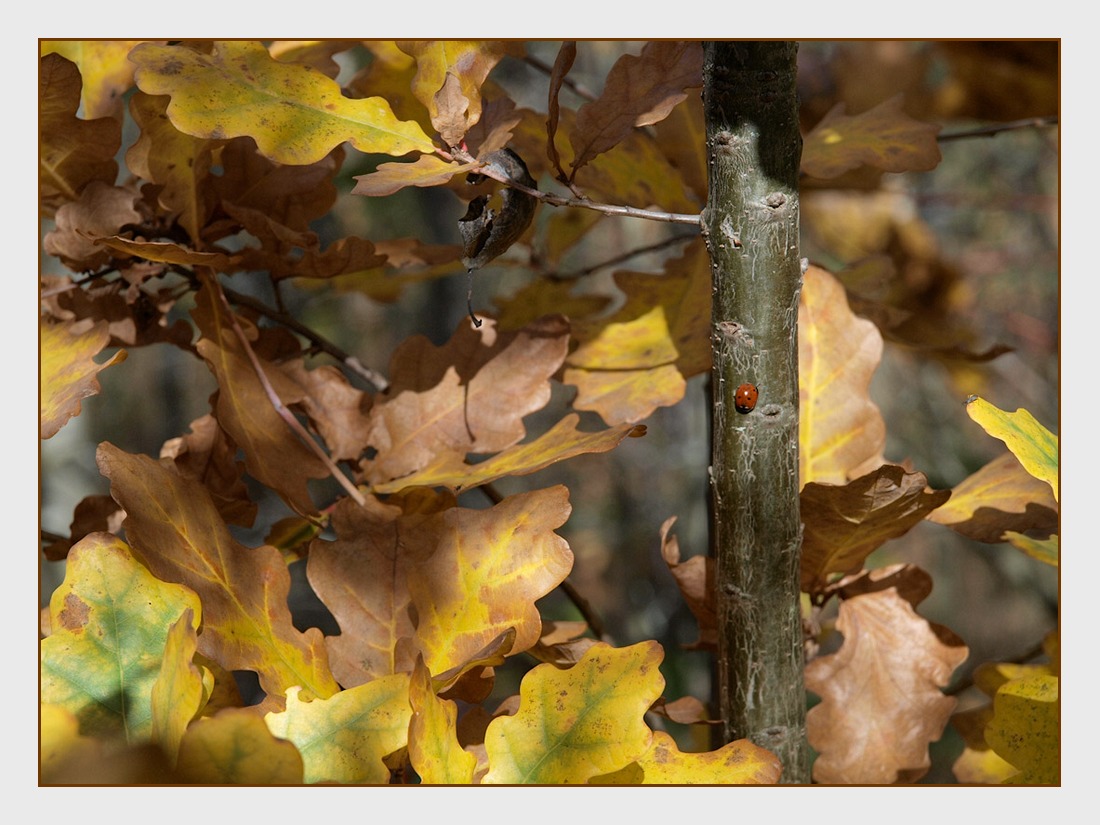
(583, 203)
(376, 379)
(618, 259)
(281, 408)
(989, 131)
(582, 91)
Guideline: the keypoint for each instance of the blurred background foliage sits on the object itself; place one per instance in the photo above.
(970, 250)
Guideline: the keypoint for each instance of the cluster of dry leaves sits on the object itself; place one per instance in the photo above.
(237, 151)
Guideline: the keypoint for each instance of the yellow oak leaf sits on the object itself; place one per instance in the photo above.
(448, 79)
(881, 699)
(235, 747)
(486, 572)
(841, 432)
(1032, 443)
(295, 114)
(181, 689)
(1025, 729)
(1000, 497)
(577, 723)
(736, 763)
(67, 371)
(427, 170)
(110, 622)
(627, 365)
(978, 764)
(176, 531)
(434, 751)
(560, 442)
(345, 738)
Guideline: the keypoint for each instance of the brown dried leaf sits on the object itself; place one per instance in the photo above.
(1002, 496)
(468, 396)
(841, 432)
(562, 644)
(567, 53)
(427, 170)
(72, 152)
(273, 453)
(94, 514)
(100, 211)
(695, 578)
(682, 137)
(210, 458)
(883, 137)
(881, 699)
(845, 524)
(639, 91)
(338, 411)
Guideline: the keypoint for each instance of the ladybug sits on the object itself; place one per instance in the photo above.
(745, 399)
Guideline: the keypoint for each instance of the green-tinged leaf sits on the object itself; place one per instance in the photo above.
(110, 622)
(737, 763)
(1025, 729)
(434, 751)
(67, 371)
(578, 723)
(1045, 550)
(177, 532)
(1032, 443)
(181, 688)
(883, 137)
(235, 747)
(295, 114)
(345, 738)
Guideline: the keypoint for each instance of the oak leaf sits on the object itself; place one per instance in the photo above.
(978, 764)
(1034, 445)
(487, 570)
(560, 442)
(99, 211)
(844, 524)
(235, 747)
(682, 138)
(67, 370)
(448, 79)
(574, 724)
(93, 514)
(207, 455)
(111, 621)
(295, 114)
(1000, 497)
(343, 739)
(178, 163)
(1025, 729)
(883, 137)
(696, 579)
(181, 688)
(881, 700)
(841, 432)
(177, 533)
(469, 396)
(639, 91)
(562, 644)
(636, 360)
(427, 170)
(72, 152)
(338, 411)
(736, 763)
(434, 750)
(273, 453)
(106, 72)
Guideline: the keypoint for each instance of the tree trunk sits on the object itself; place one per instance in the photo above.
(751, 228)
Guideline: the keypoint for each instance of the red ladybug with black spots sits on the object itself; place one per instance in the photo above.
(744, 400)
